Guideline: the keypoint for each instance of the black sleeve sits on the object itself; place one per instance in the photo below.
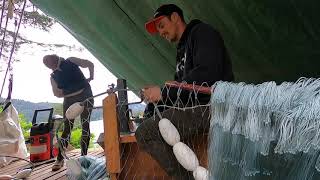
(207, 50)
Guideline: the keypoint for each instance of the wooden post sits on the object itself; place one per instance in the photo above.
(111, 135)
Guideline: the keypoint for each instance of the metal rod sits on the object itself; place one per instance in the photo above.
(109, 91)
(190, 87)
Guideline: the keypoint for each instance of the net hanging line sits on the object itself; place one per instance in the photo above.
(17, 27)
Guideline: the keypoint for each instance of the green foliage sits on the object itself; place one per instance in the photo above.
(25, 126)
(76, 138)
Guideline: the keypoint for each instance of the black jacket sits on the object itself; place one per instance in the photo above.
(201, 58)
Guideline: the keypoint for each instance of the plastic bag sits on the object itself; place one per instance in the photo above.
(12, 142)
(87, 167)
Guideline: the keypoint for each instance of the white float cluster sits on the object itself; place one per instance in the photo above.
(185, 156)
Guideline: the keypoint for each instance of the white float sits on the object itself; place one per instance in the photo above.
(169, 132)
(74, 110)
(185, 156)
(201, 173)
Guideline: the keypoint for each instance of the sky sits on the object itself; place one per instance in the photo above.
(32, 79)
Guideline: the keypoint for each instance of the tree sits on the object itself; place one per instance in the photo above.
(32, 17)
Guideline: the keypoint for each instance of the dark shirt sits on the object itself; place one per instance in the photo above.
(69, 78)
(201, 58)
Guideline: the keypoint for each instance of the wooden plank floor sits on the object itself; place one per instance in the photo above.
(43, 171)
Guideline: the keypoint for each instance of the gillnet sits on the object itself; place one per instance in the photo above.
(174, 131)
(84, 166)
(227, 131)
(265, 131)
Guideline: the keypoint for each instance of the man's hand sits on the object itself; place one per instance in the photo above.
(89, 79)
(151, 93)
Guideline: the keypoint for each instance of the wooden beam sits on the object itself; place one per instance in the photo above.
(111, 135)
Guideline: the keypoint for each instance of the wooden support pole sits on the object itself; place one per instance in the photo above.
(111, 135)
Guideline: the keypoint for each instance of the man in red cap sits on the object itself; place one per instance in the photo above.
(201, 58)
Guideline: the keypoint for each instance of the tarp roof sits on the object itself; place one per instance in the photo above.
(267, 39)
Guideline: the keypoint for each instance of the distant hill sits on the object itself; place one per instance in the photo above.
(27, 108)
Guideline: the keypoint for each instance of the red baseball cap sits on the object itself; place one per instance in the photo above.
(151, 25)
(161, 12)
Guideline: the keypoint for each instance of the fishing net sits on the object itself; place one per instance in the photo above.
(265, 131)
(78, 114)
(227, 131)
(85, 166)
(80, 122)
(187, 111)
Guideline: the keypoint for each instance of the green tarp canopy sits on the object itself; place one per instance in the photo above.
(267, 39)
